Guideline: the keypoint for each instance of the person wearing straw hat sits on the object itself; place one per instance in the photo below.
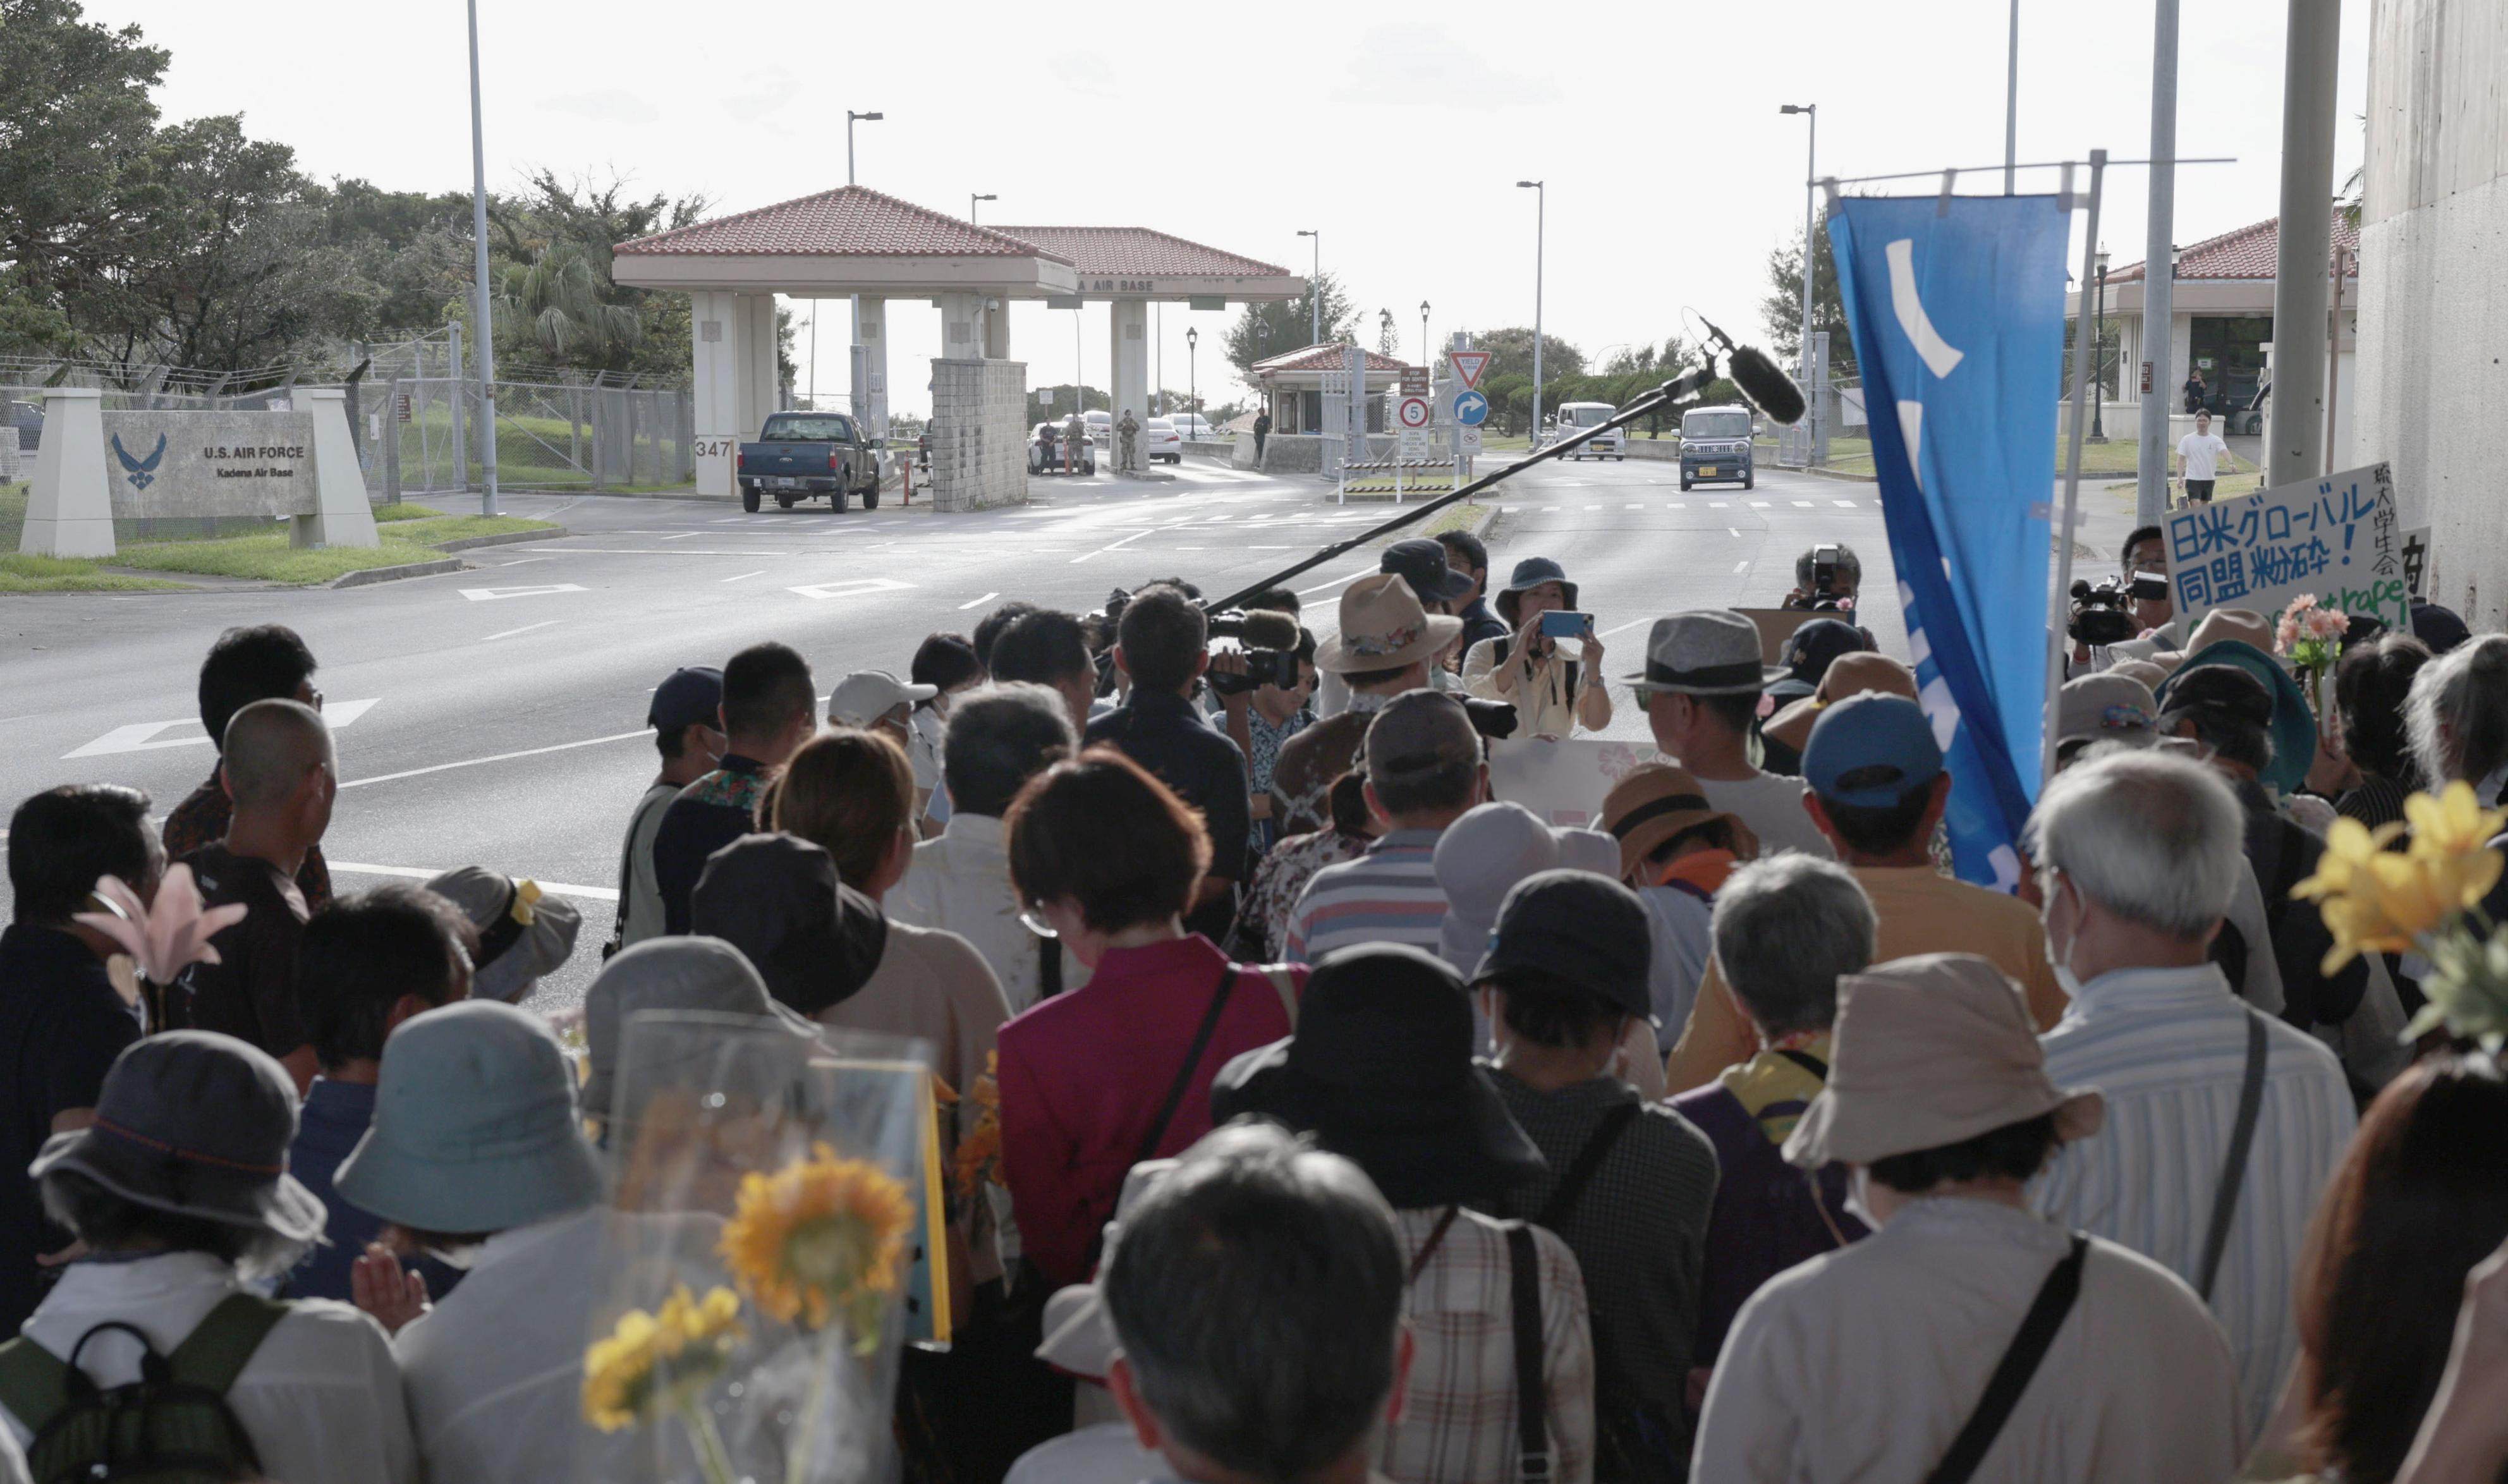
(475, 1148)
(1701, 690)
(1387, 643)
(1553, 696)
(180, 1193)
(1967, 1338)
(1675, 852)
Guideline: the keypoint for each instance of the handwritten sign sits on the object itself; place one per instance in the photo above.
(1563, 782)
(2335, 538)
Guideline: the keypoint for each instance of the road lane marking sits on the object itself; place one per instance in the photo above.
(1805, 505)
(1326, 587)
(1632, 624)
(746, 575)
(144, 736)
(421, 873)
(1759, 504)
(978, 603)
(854, 588)
(1718, 505)
(1736, 532)
(1843, 504)
(1742, 566)
(1113, 547)
(525, 629)
(1635, 507)
(494, 594)
(528, 752)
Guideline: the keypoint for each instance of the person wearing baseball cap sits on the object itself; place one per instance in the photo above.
(1630, 1181)
(1701, 688)
(1878, 1360)
(876, 699)
(1877, 789)
(686, 718)
(1386, 644)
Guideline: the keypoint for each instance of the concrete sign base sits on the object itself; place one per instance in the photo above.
(68, 513)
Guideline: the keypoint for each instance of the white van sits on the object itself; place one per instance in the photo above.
(1573, 416)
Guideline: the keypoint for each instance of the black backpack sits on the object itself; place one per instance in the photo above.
(172, 1425)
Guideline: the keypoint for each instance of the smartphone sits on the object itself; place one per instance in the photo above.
(1559, 625)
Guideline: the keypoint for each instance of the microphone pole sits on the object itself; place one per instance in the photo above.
(1674, 390)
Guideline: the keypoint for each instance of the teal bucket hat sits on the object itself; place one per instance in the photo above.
(474, 1126)
(2294, 725)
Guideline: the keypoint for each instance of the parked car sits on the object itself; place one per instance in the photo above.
(1161, 440)
(1101, 427)
(804, 455)
(1576, 416)
(1196, 428)
(1715, 444)
(1044, 451)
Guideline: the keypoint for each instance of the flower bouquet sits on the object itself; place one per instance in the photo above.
(160, 936)
(2311, 638)
(2425, 899)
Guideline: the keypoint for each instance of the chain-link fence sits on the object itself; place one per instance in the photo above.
(419, 436)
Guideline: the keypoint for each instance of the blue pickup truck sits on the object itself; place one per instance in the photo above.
(804, 455)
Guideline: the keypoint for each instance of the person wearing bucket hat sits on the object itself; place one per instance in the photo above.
(2289, 722)
(1630, 1182)
(1379, 1071)
(704, 975)
(1873, 1361)
(1701, 691)
(1553, 696)
(475, 1147)
(1383, 649)
(181, 1192)
(2105, 707)
(1675, 851)
(524, 932)
(776, 899)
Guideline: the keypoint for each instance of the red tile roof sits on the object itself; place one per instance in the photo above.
(2250, 252)
(1141, 252)
(1327, 357)
(850, 221)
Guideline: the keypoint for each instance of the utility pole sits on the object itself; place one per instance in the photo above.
(1810, 257)
(483, 331)
(858, 402)
(1541, 231)
(1316, 288)
(2298, 398)
(2011, 103)
(2159, 271)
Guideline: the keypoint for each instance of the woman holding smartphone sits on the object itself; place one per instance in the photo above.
(1552, 694)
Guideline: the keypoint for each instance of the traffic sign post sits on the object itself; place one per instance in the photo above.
(1414, 381)
(1471, 408)
(1469, 437)
(1469, 364)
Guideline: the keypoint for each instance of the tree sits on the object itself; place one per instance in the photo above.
(1265, 330)
(1511, 354)
(74, 116)
(556, 306)
(1781, 312)
(1388, 335)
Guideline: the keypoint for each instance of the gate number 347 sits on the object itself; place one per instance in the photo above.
(713, 448)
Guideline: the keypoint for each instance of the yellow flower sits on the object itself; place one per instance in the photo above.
(2348, 850)
(980, 1148)
(649, 1363)
(2452, 824)
(2377, 899)
(819, 1236)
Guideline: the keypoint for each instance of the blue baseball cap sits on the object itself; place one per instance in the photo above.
(1882, 743)
(689, 695)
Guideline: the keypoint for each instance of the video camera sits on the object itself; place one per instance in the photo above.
(1828, 594)
(1271, 646)
(2103, 614)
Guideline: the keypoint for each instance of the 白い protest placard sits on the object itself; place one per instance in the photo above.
(2334, 537)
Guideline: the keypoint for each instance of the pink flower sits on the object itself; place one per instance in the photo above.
(2285, 633)
(165, 938)
(2326, 623)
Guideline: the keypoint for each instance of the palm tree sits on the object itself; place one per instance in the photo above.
(557, 302)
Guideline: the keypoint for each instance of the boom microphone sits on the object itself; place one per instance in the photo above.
(1762, 385)
(1263, 629)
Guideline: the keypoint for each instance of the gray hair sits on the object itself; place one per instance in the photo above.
(2152, 837)
(1257, 1295)
(2456, 714)
(999, 737)
(1785, 928)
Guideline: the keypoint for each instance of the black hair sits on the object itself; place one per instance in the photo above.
(1043, 645)
(262, 662)
(2141, 534)
(107, 1222)
(1162, 636)
(1550, 1009)
(1736, 712)
(2012, 1152)
(359, 955)
(1878, 829)
(764, 686)
(673, 742)
(2229, 710)
(989, 627)
(1716, 834)
(1275, 600)
(945, 660)
(1474, 552)
(2370, 684)
(63, 839)
(1348, 801)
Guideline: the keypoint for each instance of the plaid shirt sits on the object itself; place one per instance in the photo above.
(201, 819)
(1458, 1421)
(1281, 880)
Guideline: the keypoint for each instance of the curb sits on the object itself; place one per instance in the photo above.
(509, 538)
(374, 575)
(1820, 474)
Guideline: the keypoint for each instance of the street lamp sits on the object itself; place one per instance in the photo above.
(1811, 171)
(1192, 381)
(484, 331)
(1424, 332)
(855, 401)
(1314, 289)
(1383, 325)
(2098, 366)
(1541, 226)
(852, 117)
(972, 199)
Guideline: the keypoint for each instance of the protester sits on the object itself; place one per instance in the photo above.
(779, 900)
(960, 881)
(1630, 1182)
(1553, 696)
(769, 709)
(2465, 1435)
(1384, 649)
(1262, 927)
(1809, 654)
(1465, 554)
(874, 700)
(475, 1147)
(1380, 1070)
(1049, 648)
(369, 963)
(2457, 718)
(1164, 645)
(1420, 566)
(1097, 1079)
(2372, 683)
(1423, 772)
(2103, 708)
(263, 663)
(1675, 852)
(1261, 722)
(989, 629)
(704, 975)
(685, 715)
(1783, 736)
(1874, 1362)
(282, 775)
(947, 663)
(1786, 931)
(852, 794)
(62, 1022)
(1700, 690)
(524, 933)
(179, 1191)
(2139, 853)
(1876, 788)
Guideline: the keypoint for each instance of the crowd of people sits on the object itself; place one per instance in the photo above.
(1353, 1121)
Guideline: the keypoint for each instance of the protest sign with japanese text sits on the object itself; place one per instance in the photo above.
(2335, 538)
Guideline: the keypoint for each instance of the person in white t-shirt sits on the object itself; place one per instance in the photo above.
(1700, 689)
(2200, 456)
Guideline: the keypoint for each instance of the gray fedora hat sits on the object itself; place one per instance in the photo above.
(698, 973)
(194, 1124)
(474, 1125)
(1709, 651)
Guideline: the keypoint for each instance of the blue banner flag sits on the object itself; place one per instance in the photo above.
(1957, 309)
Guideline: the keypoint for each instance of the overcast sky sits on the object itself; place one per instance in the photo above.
(1399, 135)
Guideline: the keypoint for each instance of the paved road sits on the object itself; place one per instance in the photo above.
(494, 715)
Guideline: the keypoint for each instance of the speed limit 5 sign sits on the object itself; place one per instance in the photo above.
(1412, 411)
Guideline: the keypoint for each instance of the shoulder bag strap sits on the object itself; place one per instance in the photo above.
(1191, 1063)
(218, 1347)
(1531, 1391)
(1048, 967)
(1588, 1159)
(2234, 1165)
(35, 1383)
(1807, 1062)
(2011, 1374)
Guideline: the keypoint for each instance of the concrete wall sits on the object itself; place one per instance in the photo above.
(2433, 295)
(979, 433)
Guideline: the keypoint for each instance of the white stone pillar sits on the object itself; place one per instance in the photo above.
(762, 390)
(69, 511)
(716, 411)
(1128, 357)
(962, 335)
(870, 333)
(342, 514)
(997, 329)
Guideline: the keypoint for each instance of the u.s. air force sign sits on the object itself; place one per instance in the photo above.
(162, 464)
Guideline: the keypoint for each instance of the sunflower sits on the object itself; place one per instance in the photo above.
(980, 1148)
(821, 1236)
(651, 1362)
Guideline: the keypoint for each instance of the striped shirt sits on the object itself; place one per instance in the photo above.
(1388, 895)
(2169, 1048)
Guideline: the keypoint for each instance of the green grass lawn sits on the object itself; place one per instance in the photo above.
(2118, 457)
(409, 534)
(62, 574)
